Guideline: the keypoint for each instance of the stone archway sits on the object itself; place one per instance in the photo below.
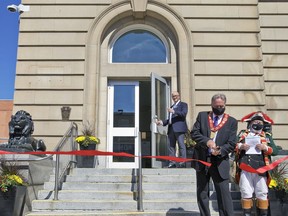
(94, 102)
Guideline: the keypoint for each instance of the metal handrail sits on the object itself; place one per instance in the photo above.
(59, 177)
(140, 179)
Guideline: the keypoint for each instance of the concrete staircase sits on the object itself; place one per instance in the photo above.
(112, 192)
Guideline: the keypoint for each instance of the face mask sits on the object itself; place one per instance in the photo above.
(257, 127)
(218, 111)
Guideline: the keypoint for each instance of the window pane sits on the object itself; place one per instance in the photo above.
(161, 110)
(124, 144)
(139, 46)
(124, 106)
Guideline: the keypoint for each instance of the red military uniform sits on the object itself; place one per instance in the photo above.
(254, 148)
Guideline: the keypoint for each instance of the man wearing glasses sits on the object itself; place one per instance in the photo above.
(177, 127)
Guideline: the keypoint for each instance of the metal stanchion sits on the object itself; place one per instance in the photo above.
(140, 192)
(57, 167)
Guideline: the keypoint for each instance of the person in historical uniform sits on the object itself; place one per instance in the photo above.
(254, 149)
(215, 134)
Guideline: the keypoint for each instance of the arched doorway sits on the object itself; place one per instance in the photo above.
(101, 71)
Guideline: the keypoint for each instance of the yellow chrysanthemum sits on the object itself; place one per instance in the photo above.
(94, 139)
(10, 177)
(87, 140)
(80, 139)
(273, 183)
(16, 179)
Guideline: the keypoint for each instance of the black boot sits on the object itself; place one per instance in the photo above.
(247, 212)
(247, 206)
(262, 212)
(262, 207)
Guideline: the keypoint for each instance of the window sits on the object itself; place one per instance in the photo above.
(139, 46)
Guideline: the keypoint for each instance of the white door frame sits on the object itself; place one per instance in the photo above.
(131, 132)
(160, 101)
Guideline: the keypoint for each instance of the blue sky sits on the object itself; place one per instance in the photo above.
(8, 48)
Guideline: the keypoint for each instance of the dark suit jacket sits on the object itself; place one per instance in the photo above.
(226, 139)
(179, 118)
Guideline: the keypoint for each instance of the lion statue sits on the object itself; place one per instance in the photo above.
(21, 128)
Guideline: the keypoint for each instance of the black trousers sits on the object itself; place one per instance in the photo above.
(224, 199)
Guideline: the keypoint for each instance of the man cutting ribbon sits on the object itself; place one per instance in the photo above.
(215, 136)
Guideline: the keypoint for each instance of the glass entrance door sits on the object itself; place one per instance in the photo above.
(160, 100)
(123, 122)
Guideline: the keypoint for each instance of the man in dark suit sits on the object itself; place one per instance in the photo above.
(215, 134)
(177, 127)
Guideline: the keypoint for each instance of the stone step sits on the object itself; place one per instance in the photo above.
(104, 205)
(122, 186)
(164, 186)
(170, 212)
(113, 192)
(145, 171)
(121, 195)
(129, 178)
(117, 195)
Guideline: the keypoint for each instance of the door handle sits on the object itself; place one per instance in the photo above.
(136, 132)
(153, 125)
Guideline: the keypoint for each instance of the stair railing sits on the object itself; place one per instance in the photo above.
(64, 163)
(140, 175)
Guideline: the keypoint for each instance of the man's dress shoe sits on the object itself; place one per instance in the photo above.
(182, 165)
(172, 166)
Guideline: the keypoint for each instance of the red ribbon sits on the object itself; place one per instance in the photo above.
(263, 169)
(102, 153)
(242, 166)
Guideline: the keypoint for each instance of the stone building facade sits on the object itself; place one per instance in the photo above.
(238, 47)
(6, 107)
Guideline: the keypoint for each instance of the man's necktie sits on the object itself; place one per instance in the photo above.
(215, 122)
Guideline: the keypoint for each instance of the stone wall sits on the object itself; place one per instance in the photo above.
(236, 46)
(6, 107)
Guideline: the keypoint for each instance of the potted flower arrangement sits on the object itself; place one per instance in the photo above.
(84, 141)
(88, 137)
(12, 189)
(190, 144)
(87, 141)
(278, 191)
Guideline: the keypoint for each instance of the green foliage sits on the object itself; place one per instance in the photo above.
(279, 181)
(10, 176)
(88, 136)
(189, 142)
(88, 129)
